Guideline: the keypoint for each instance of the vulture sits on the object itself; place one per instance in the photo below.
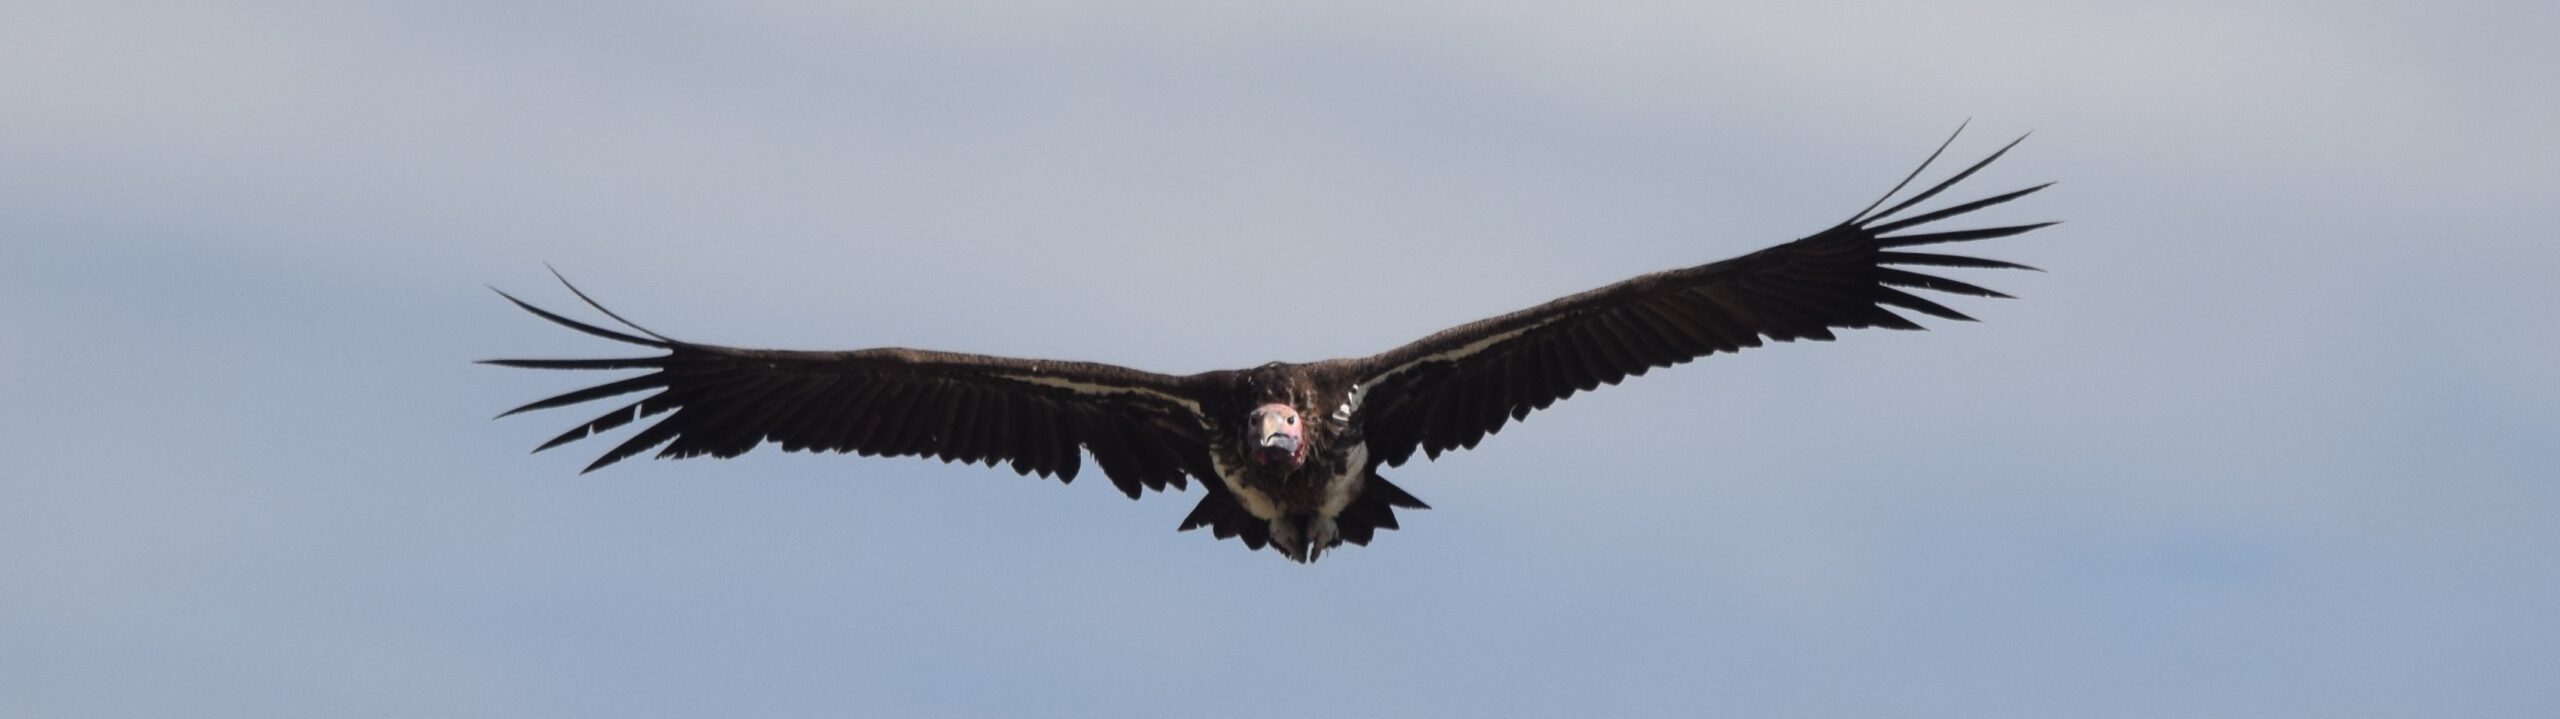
(1288, 454)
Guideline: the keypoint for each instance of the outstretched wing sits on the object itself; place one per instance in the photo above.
(1452, 388)
(1142, 427)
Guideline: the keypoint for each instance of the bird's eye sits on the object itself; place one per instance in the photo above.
(1292, 420)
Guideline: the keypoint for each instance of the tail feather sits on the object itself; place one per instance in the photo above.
(1358, 523)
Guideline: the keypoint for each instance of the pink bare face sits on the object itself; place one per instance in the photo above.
(1275, 435)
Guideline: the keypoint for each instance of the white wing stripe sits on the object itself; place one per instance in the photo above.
(1103, 390)
(1462, 351)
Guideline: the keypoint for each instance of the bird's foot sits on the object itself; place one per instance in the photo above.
(1325, 535)
(1304, 540)
(1286, 538)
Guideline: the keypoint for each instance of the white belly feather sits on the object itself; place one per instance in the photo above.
(1339, 489)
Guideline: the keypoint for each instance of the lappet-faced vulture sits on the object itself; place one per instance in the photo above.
(1288, 453)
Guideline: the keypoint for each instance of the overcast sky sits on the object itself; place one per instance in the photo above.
(2273, 436)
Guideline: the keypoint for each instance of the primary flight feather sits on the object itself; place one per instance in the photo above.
(1288, 453)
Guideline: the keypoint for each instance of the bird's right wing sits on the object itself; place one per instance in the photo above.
(1033, 414)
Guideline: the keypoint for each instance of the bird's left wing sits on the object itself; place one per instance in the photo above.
(1452, 388)
(1035, 415)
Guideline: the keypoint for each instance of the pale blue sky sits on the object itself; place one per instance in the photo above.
(2274, 436)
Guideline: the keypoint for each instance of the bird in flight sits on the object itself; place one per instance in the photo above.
(1288, 454)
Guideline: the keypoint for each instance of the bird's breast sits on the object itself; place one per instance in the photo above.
(1324, 486)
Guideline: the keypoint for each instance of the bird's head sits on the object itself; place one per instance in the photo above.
(1274, 435)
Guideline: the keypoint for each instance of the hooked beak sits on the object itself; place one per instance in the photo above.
(1276, 448)
(1277, 436)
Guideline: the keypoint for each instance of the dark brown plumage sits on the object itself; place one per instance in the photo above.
(1153, 431)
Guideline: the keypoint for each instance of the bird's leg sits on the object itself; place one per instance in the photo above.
(1286, 538)
(1323, 535)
